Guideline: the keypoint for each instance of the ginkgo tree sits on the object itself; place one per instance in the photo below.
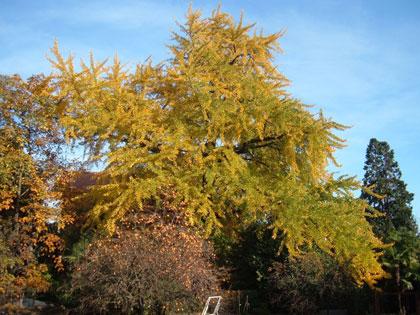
(216, 125)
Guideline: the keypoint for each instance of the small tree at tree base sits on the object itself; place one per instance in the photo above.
(148, 266)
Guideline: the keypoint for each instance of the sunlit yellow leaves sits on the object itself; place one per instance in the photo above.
(216, 125)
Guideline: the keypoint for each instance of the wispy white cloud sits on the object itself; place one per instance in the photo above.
(124, 15)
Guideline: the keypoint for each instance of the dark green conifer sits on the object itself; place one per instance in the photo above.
(383, 175)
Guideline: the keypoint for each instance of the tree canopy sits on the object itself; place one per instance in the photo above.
(216, 125)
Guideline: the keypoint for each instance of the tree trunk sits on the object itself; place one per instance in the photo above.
(376, 304)
(398, 280)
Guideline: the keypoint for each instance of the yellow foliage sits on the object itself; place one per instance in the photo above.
(216, 124)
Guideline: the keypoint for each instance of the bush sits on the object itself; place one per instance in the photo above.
(308, 283)
(158, 269)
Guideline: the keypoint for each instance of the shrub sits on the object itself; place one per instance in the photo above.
(157, 269)
(302, 285)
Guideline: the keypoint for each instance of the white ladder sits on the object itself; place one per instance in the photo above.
(216, 308)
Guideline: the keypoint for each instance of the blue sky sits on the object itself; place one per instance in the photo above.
(358, 61)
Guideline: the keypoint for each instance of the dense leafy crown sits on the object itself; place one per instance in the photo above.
(216, 125)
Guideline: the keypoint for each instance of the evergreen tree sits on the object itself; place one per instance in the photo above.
(390, 196)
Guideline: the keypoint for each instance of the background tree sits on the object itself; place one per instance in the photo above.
(402, 260)
(310, 282)
(396, 225)
(216, 124)
(248, 259)
(390, 197)
(252, 255)
(29, 139)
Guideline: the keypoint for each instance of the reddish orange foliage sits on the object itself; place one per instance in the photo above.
(29, 215)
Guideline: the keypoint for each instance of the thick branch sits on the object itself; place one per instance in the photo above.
(256, 143)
